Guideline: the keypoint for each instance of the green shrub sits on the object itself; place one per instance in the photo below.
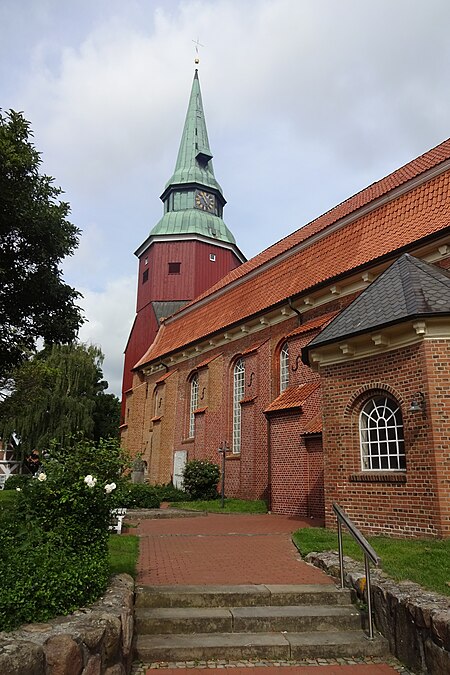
(201, 479)
(169, 493)
(54, 539)
(17, 480)
(138, 496)
(7, 503)
(44, 577)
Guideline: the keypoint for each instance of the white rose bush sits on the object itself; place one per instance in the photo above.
(54, 550)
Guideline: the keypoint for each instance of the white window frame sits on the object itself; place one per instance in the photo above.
(284, 367)
(238, 395)
(193, 404)
(381, 435)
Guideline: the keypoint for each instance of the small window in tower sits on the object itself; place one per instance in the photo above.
(174, 267)
(146, 261)
(212, 257)
(145, 276)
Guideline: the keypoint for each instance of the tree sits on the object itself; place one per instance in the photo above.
(106, 416)
(35, 236)
(58, 395)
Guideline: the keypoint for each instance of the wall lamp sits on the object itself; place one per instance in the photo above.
(418, 402)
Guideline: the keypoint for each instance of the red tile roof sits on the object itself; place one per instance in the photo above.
(164, 377)
(249, 399)
(293, 397)
(420, 212)
(204, 363)
(318, 322)
(428, 160)
(314, 426)
(253, 348)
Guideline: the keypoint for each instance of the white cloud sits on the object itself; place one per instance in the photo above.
(88, 263)
(110, 314)
(306, 102)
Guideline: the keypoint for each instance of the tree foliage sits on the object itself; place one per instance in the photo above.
(35, 236)
(59, 395)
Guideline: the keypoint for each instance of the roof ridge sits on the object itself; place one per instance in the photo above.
(404, 173)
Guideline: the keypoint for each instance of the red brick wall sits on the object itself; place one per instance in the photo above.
(316, 491)
(437, 363)
(296, 464)
(247, 474)
(289, 493)
(412, 508)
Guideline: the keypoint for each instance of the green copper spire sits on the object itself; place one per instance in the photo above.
(193, 199)
(194, 163)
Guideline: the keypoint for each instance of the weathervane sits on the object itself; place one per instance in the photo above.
(197, 45)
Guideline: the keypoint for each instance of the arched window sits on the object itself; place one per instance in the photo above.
(284, 367)
(381, 435)
(238, 395)
(193, 405)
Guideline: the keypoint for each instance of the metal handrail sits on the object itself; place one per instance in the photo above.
(369, 554)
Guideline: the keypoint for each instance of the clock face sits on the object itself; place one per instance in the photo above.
(205, 201)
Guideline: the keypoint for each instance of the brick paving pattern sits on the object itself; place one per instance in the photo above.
(223, 549)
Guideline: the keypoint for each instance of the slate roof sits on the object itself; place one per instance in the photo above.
(409, 288)
(301, 262)
(163, 309)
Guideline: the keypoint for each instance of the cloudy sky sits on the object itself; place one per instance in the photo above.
(306, 102)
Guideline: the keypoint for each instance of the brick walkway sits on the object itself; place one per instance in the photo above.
(223, 549)
(234, 549)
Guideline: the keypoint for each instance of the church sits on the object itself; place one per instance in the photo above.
(321, 365)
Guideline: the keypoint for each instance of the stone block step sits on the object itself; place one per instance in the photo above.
(292, 618)
(270, 646)
(241, 596)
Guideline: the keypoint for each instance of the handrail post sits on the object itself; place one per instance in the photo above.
(369, 595)
(369, 554)
(341, 553)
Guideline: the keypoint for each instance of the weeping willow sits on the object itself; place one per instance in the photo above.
(53, 397)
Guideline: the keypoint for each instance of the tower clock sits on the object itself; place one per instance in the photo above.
(205, 201)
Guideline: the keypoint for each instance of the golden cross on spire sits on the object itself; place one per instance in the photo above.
(197, 45)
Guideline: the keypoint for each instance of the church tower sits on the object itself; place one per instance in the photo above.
(190, 248)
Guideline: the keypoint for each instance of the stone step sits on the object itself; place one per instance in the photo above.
(292, 618)
(270, 646)
(241, 596)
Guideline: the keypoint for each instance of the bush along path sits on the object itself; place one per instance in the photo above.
(54, 538)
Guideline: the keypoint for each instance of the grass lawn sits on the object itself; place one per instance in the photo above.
(123, 554)
(230, 506)
(425, 561)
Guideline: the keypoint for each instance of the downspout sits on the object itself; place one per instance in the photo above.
(299, 315)
(269, 468)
